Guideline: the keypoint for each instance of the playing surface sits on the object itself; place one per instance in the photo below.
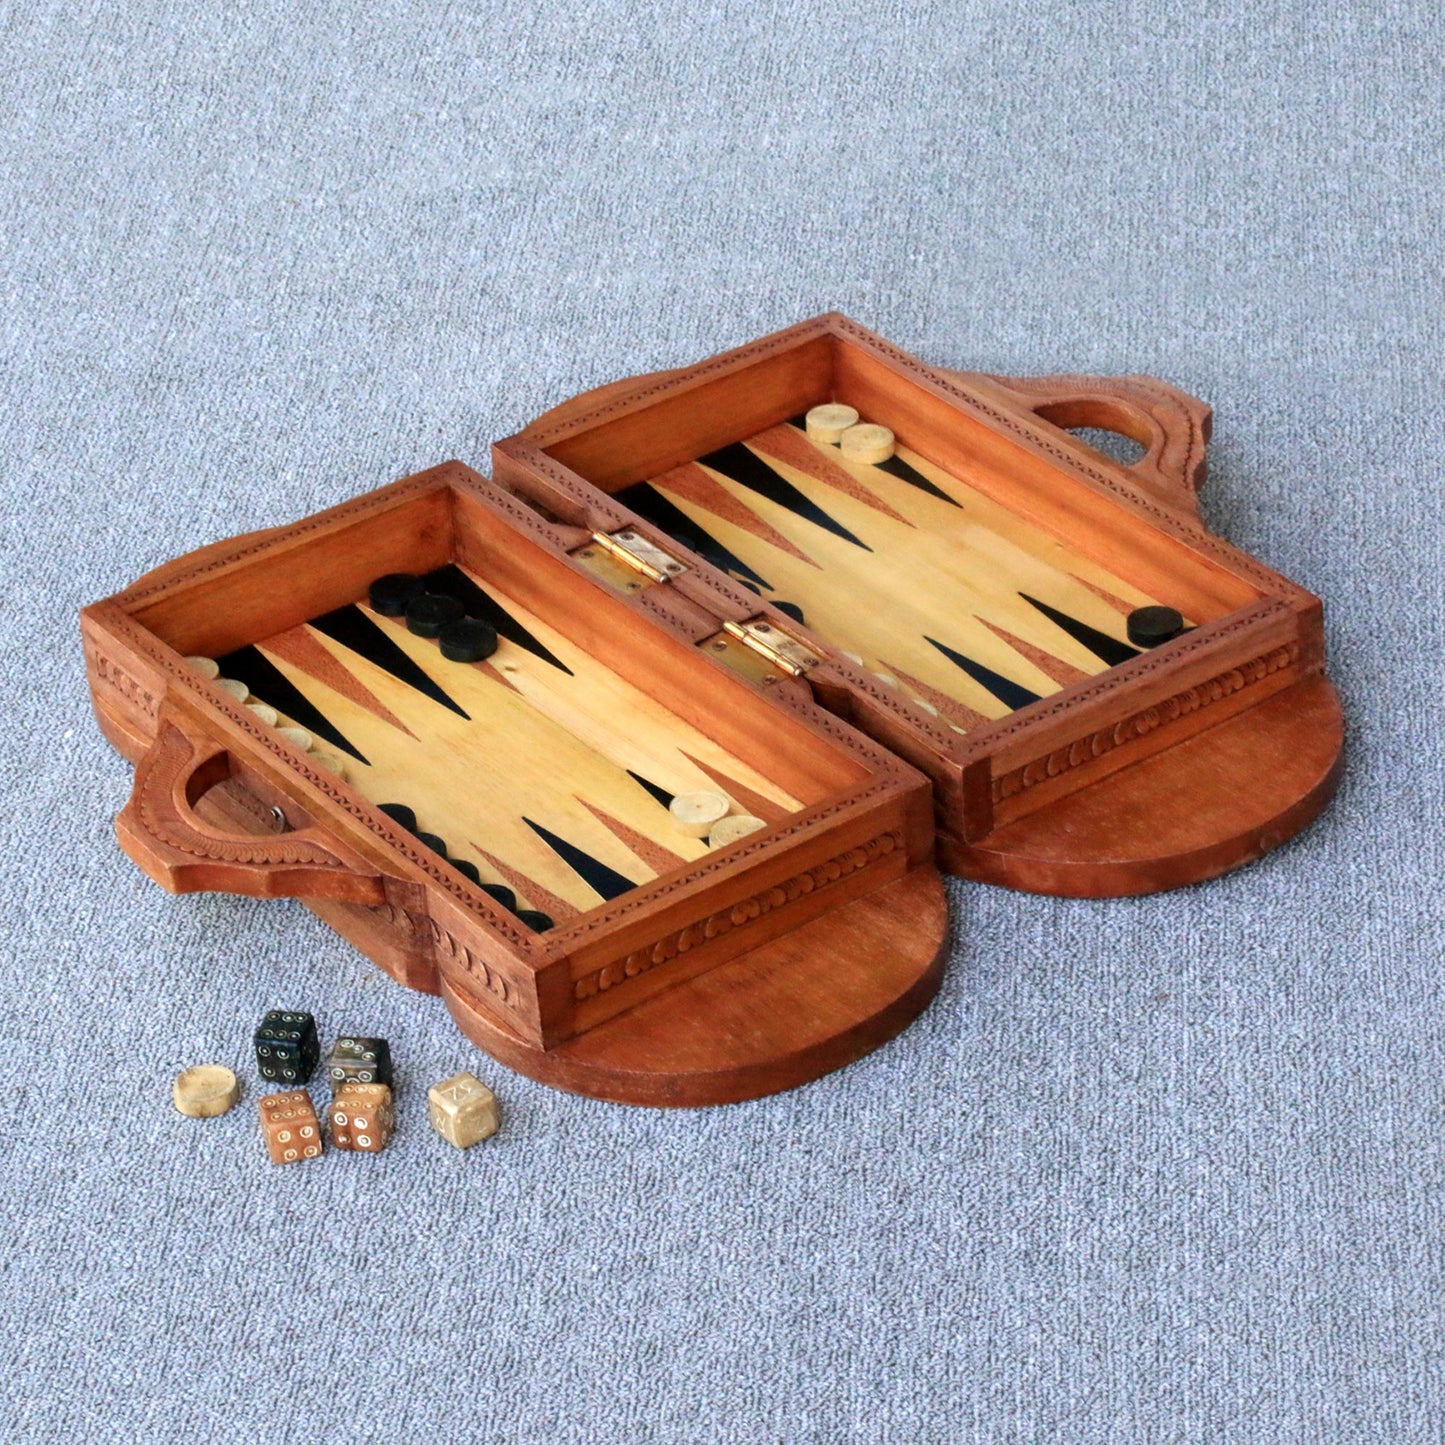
(547, 771)
(923, 579)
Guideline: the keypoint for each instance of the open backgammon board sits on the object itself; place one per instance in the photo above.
(871, 618)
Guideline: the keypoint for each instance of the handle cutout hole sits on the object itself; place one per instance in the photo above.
(221, 799)
(1114, 445)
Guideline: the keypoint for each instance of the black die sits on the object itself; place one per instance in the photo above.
(355, 1060)
(287, 1048)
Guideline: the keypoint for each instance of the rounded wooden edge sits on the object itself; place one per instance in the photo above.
(120, 733)
(1211, 804)
(566, 412)
(781, 1015)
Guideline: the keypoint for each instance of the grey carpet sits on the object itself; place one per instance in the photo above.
(1159, 1170)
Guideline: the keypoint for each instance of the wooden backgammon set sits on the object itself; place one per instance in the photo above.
(645, 753)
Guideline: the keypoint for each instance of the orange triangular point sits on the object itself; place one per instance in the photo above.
(787, 444)
(303, 650)
(744, 797)
(532, 893)
(1051, 666)
(661, 860)
(693, 483)
(949, 708)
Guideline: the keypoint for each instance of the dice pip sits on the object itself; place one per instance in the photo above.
(463, 1110)
(361, 1117)
(290, 1127)
(287, 1047)
(359, 1061)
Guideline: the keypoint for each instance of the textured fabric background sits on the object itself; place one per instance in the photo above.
(1158, 1170)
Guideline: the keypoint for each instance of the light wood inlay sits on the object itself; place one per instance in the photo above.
(538, 744)
(957, 574)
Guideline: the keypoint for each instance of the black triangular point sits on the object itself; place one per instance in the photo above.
(661, 794)
(1010, 694)
(897, 467)
(451, 581)
(749, 470)
(605, 881)
(271, 685)
(648, 502)
(352, 628)
(1105, 648)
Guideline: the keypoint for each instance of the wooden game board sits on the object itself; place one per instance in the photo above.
(983, 612)
(613, 954)
(540, 766)
(964, 601)
(917, 662)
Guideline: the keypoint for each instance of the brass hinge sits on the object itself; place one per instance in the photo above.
(770, 643)
(628, 561)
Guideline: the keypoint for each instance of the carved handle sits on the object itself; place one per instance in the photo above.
(1172, 426)
(161, 832)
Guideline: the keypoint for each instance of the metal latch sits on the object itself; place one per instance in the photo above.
(772, 644)
(628, 561)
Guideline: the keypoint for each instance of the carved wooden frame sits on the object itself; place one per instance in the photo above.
(209, 772)
(1270, 640)
(807, 944)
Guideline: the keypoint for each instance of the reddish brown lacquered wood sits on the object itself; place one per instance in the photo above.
(214, 780)
(1011, 439)
(783, 1014)
(161, 831)
(815, 939)
(1221, 799)
(1172, 426)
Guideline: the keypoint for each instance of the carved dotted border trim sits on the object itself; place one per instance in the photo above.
(298, 852)
(1120, 386)
(1133, 672)
(516, 509)
(604, 917)
(897, 701)
(880, 757)
(729, 858)
(1105, 740)
(119, 681)
(493, 979)
(528, 454)
(737, 915)
(738, 356)
(332, 515)
(423, 859)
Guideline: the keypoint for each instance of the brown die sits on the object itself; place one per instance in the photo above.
(361, 1117)
(290, 1127)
